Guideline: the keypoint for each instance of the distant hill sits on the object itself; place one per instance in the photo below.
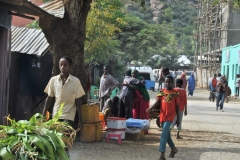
(177, 16)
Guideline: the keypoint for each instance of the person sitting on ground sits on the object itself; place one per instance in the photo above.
(110, 108)
(168, 102)
(182, 106)
(228, 92)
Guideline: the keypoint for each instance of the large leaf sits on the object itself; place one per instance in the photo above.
(38, 141)
(35, 117)
(6, 154)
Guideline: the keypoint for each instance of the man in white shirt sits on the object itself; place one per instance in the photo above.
(107, 84)
(67, 89)
(237, 84)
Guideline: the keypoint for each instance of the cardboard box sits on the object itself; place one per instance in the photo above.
(137, 136)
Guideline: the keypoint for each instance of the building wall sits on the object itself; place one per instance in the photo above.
(230, 65)
(5, 43)
(233, 37)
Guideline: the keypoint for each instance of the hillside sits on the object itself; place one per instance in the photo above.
(176, 17)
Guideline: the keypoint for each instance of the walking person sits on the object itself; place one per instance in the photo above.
(168, 102)
(66, 89)
(107, 84)
(191, 84)
(212, 88)
(164, 71)
(127, 94)
(182, 106)
(220, 95)
(183, 77)
(160, 83)
(228, 92)
(237, 84)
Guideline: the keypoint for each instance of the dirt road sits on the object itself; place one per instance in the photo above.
(207, 135)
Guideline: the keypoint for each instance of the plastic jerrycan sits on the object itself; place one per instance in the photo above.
(101, 118)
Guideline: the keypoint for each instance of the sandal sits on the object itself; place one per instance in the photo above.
(162, 158)
(173, 152)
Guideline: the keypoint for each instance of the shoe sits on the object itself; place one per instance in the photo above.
(209, 99)
(221, 110)
(216, 108)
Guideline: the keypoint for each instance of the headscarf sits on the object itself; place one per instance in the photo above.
(183, 77)
(142, 89)
(191, 83)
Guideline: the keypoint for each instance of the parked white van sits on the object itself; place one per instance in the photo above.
(147, 74)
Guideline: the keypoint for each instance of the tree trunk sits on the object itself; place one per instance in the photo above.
(66, 37)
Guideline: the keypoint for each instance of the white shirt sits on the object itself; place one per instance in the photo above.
(107, 84)
(67, 94)
(237, 82)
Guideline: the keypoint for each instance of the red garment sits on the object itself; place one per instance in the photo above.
(183, 77)
(214, 82)
(140, 105)
(168, 109)
(182, 98)
(88, 85)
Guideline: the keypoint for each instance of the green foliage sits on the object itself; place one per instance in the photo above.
(138, 39)
(33, 25)
(36, 139)
(102, 23)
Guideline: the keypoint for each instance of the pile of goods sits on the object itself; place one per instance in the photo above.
(36, 139)
(136, 128)
(92, 131)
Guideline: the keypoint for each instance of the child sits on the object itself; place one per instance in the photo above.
(228, 92)
(168, 101)
(67, 89)
(182, 106)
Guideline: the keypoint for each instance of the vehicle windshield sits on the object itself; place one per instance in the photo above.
(146, 76)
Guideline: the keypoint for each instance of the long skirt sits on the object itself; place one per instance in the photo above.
(140, 105)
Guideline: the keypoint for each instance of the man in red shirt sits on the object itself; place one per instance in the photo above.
(212, 88)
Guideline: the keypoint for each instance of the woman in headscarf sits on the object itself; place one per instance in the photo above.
(183, 77)
(191, 84)
(141, 99)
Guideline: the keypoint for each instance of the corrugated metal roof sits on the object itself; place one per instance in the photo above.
(28, 41)
(55, 8)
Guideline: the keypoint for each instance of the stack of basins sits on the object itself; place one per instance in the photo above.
(116, 125)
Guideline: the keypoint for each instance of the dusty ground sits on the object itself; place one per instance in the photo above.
(207, 135)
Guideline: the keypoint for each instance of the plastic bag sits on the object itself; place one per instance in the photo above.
(133, 130)
(137, 123)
